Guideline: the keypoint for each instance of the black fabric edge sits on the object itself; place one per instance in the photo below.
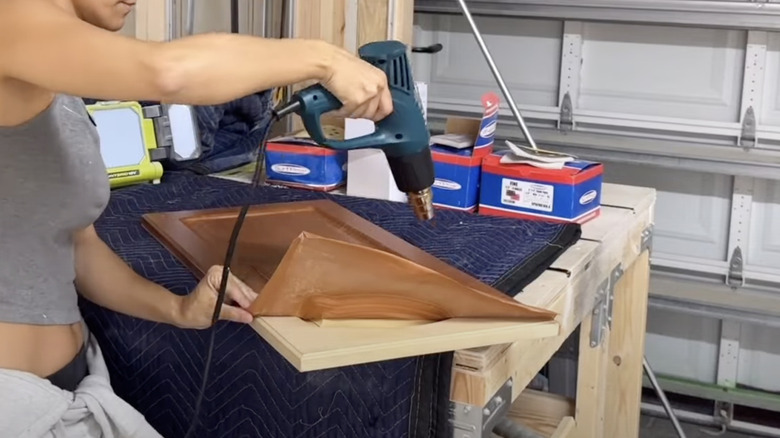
(429, 416)
(430, 411)
(522, 275)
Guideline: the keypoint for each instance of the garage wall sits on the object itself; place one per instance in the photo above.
(129, 29)
(673, 92)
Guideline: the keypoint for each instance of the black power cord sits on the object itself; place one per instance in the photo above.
(256, 180)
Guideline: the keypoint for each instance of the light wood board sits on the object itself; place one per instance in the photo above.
(308, 346)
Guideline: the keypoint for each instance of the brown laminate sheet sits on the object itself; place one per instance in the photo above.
(317, 260)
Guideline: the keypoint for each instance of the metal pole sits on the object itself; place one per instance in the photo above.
(234, 23)
(268, 19)
(190, 28)
(662, 395)
(172, 8)
(497, 74)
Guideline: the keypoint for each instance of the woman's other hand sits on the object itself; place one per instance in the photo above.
(361, 87)
(197, 308)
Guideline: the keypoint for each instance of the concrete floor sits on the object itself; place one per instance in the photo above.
(655, 427)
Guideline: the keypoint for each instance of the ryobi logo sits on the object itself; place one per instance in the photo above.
(488, 130)
(446, 184)
(588, 197)
(290, 169)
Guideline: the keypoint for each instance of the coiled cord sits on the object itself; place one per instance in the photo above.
(257, 178)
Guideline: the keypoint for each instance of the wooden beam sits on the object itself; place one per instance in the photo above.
(626, 350)
(151, 20)
(541, 412)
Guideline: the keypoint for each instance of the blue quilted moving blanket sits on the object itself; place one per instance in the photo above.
(252, 390)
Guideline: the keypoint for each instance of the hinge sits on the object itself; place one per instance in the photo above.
(162, 124)
(748, 137)
(647, 239)
(734, 278)
(601, 319)
(567, 113)
(469, 421)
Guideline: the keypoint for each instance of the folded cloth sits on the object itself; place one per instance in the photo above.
(32, 407)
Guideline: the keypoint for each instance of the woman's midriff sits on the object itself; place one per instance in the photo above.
(41, 350)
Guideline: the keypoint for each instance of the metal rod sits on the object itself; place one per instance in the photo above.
(751, 429)
(234, 23)
(268, 19)
(496, 73)
(190, 28)
(662, 396)
(171, 8)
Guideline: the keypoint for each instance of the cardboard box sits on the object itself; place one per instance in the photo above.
(298, 161)
(368, 174)
(570, 194)
(457, 162)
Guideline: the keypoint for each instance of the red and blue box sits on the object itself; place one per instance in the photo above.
(298, 161)
(570, 194)
(457, 168)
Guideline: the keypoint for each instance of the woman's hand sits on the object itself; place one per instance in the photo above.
(361, 87)
(197, 308)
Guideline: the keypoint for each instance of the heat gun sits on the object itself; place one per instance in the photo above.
(403, 135)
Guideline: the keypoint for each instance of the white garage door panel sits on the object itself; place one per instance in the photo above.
(526, 51)
(692, 209)
(685, 73)
(682, 346)
(764, 246)
(759, 358)
(770, 108)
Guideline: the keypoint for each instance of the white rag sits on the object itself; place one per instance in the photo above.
(32, 407)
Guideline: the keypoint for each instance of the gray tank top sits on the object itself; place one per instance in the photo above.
(53, 182)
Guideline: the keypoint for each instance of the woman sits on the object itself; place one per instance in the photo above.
(53, 184)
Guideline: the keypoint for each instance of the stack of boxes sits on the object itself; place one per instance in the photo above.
(571, 193)
(470, 175)
(458, 154)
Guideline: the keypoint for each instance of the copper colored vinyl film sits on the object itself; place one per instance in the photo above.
(316, 260)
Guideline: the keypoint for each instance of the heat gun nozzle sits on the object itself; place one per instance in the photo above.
(286, 109)
(422, 203)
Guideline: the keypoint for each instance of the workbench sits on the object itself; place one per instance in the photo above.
(253, 390)
(599, 285)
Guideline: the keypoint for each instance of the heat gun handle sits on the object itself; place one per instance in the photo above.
(315, 101)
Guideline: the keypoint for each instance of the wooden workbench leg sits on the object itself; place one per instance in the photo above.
(626, 350)
(592, 371)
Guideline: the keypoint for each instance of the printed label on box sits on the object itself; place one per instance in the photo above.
(529, 195)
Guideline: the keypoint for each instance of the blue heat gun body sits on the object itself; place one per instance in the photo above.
(403, 135)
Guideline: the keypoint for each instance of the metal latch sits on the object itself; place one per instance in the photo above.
(734, 278)
(646, 243)
(601, 320)
(567, 113)
(748, 137)
(469, 421)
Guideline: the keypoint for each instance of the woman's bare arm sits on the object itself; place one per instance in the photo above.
(50, 48)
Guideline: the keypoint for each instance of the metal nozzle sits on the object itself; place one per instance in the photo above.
(422, 203)
(285, 109)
